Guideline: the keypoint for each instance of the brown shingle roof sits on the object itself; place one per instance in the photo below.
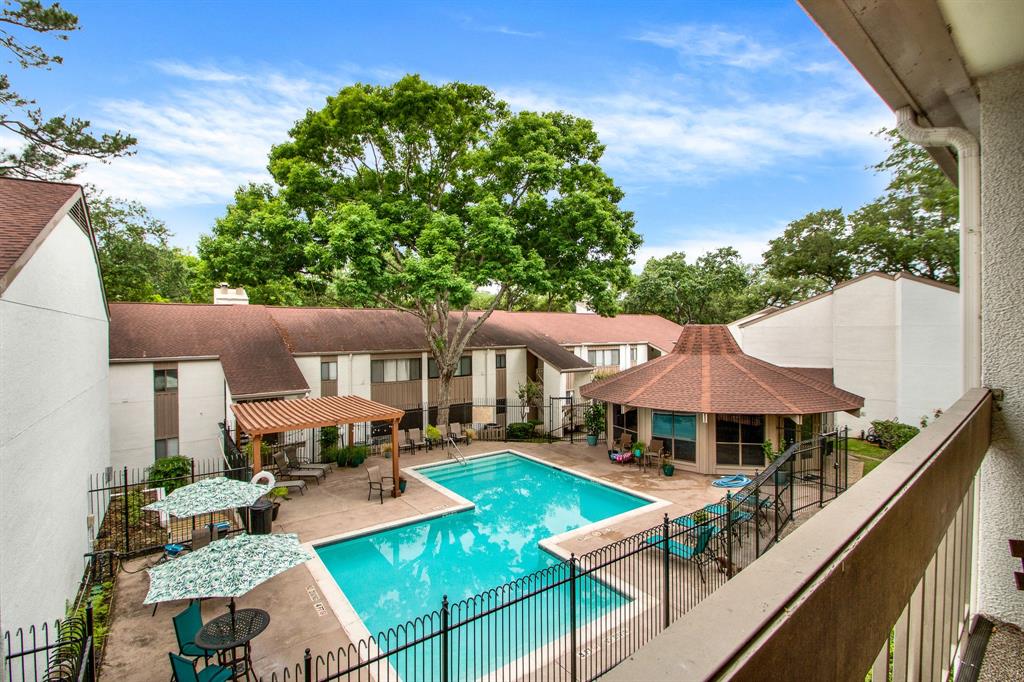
(707, 372)
(576, 328)
(252, 353)
(26, 208)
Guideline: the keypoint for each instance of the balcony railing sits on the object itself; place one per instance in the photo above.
(879, 580)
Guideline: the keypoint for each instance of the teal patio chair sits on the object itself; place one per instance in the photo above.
(698, 554)
(186, 626)
(185, 671)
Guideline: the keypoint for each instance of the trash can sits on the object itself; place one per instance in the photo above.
(261, 517)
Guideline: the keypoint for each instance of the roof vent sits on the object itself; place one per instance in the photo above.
(225, 295)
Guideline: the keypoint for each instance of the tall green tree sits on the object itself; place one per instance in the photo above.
(136, 259)
(815, 248)
(713, 289)
(51, 148)
(426, 193)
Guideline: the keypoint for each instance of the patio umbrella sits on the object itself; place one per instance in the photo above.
(209, 495)
(226, 568)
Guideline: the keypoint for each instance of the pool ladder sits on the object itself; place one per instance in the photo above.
(455, 454)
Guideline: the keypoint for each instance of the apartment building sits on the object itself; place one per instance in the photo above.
(175, 368)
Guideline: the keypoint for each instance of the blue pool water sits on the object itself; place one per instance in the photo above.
(400, 574)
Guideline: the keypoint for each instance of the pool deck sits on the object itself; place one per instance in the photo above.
(138, 642)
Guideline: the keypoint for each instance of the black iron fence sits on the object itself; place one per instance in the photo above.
(63, 651)
(117, 498)
(580, 617)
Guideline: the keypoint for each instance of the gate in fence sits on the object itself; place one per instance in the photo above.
(566, 415)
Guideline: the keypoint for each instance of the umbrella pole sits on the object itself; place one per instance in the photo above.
(231, 607)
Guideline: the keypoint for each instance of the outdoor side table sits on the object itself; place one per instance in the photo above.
(219, 635)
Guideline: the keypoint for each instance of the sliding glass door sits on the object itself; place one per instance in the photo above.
(677, 432)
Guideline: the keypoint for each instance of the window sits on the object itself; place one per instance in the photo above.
(166, 447)
(165, 380)
(464, 368)
(501, 405)
(738, 439)
(402, 369)
(328, 371)
(678, 433)
(499, 361)
(633, 355)
(603, 357)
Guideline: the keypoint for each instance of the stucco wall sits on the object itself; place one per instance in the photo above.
(553, 386)
(131, 414)
(55, 426)
(1002, 204)
(773, 338)
(200, 408)
(515, 373)
(309, 365)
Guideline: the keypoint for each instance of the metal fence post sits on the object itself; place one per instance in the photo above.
(666, 595)
(728, 536)
(757, 516)
(90, 656)
(444, 638)
(572, 617)
(821, 472)
(124, 504)
(307, 666)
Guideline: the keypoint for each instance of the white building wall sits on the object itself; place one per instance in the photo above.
(515, 373)
(359, 376)
(928, 353)
(799, 337)
(484, 377)
(554, 386)
(309, 365)
(201, 391)
(55, 426)
(132, 428)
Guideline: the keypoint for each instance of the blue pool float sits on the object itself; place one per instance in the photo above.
(734, 481)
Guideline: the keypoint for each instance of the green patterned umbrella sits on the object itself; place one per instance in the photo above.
(225, 568)
(209, 495)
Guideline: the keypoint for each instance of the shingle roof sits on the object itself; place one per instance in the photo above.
(252, 353)
(707, 372)
(26, 208)
(577, 328)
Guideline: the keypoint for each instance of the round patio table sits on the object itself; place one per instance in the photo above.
(226, 636)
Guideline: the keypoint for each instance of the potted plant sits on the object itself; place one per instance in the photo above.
(699, 517)
(594, 421)
(771, 454)
(470, 435)
(275, 495)
(401, 484)
(667, 467)
(433, 434)
(639, 448)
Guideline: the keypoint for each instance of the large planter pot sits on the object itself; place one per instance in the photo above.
(591, 439)
(401, 485)
(781, 478)
(273, 514)
(668, 469)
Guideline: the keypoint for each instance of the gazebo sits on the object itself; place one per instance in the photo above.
(278, 416)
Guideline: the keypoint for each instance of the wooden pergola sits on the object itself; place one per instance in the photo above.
(278, 416)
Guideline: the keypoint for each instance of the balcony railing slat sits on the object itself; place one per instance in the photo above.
(901, 646)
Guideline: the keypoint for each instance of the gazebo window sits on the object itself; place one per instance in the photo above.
(678, 432)
(738, 439)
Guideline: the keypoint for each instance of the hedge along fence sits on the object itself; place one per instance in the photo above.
(893, 434)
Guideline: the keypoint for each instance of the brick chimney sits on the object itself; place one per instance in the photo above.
(225, 295)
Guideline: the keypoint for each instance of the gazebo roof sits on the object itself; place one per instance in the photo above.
(276, 416)
(707, 372)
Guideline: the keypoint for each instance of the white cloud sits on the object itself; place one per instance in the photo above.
(701, 240)
(714, 43)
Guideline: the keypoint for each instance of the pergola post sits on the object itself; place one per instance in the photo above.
(394, 457)
(351, 435)
(256, 465)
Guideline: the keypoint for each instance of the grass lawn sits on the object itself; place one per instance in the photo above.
(870, 454)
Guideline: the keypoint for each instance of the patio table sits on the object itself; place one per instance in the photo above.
(226, 635)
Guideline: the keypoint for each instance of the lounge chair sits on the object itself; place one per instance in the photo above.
(283, 469)
(186, 626)
(378, 483)
(698, 554)
(457, 433)
(291, 453)
(185, 671)
(416, 439)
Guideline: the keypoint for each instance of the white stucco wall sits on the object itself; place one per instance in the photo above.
(309, 365)
(799, 337)
(201, 391)
(928, 350)
(358, 375)
(1002, 204)
(515, 372)
(131, 414)
(55, 426)
(554, 386)
(484, 377)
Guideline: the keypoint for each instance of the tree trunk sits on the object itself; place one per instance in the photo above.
(444, 380)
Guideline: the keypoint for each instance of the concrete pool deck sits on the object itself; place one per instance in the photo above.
(138, 642)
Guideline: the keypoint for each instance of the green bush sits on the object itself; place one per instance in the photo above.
(594, 418)
(433, 433)
(331, 455)
(170, 473)
(520, 430)
(135, 503)
(893, 434)
(328, 436)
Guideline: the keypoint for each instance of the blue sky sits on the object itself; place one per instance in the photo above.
(723, 120)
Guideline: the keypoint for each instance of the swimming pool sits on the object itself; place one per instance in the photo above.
(401, 573)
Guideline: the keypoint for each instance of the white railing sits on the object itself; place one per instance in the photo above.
(881, 579)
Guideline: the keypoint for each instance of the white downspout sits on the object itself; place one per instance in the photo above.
(969, 171)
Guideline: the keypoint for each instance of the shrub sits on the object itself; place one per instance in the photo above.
(520, 430)
(328, 436)
(331, 454)
(594, 418)
(893, 434)
(135, 502)
(170, 473)
(433, 433)
(354, 455)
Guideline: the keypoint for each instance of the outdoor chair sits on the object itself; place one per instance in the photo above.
(186, 626)
(291, 453)
(404, 442)
(185, 671)
(457, 433)
(416, 439)
(698, 553)
(378, 483)
(738, 517)
(288, 472)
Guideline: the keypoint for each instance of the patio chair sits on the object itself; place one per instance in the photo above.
(457, 433)
(288, 472)
(416, 439)
(654, 450)
(185, 671)
(698, 553)
(377, 483)
(291, 453)
(404, 442)
(186, 626)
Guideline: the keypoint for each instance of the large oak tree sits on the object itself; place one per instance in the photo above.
(418, 195)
